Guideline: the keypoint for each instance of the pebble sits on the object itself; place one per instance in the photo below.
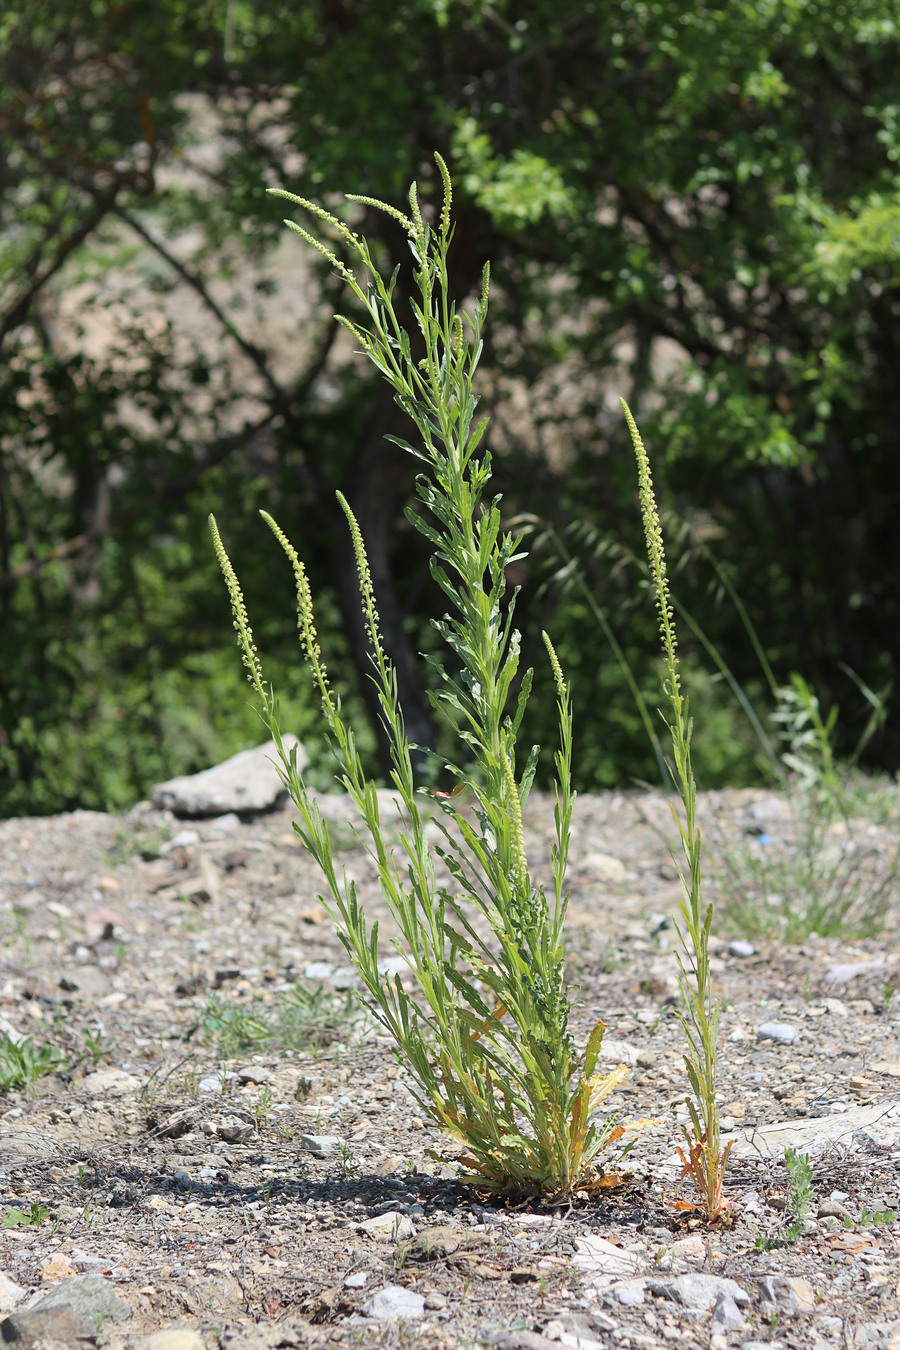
(389, 1227)
(218, 1082)
(392, 1302)
(727, 1316)
(172, 1338)
(356, 1280)
(689, 1249)
(596, 1256)
(844, 972)
(234, 1130)
(112, 1082)
(318, 970)
(10, 1293)
(226, 824)
(606, 868)
(780, 1032)
(741, 948)
(322, 1145)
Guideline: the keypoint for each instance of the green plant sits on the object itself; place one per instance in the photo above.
(706, 1159)
(263, 1106)
(95, 1045)
(21, 1064)
(869, 1217)
(34, 1216)
(800, 1174)
(347, 1159)
(300, 1019)
(487, 1040)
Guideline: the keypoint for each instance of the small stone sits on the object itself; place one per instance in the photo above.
(619, 1052)
(596, 1256)
(172, 1338)
(834, 1209)
(629, 1292)
(112, 1083)
(218, 1082)
(780, 1032)
(234, 1130)
(227, 824)
(689, 1249)
(322, 1145)
(390, 1227)
(10, 1293)
(606, 868)
(844, 972)
(183, 839)
(741, 948)
(318, 970)
(356, 1280)
(56, 1268)
(393, 1302)
(434, 1244)
(726, 1314)
(796, 1294)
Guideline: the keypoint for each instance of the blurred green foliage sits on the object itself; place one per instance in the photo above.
(698, 209)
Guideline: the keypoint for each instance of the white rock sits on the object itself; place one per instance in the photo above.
(112, 1082)
(321, 1145)
(620, 1051)
(246, 782)
(842, 974)
(392, 1302)
(740, 948)
(390, 1227)
(606, 868)
(595, 1256)
(183, 839)
(226, 824)
(173, 1338)
(356, 1280)
(781, 1032)
(629, 1292)
(318, 970)
(10, 1293)
(689, 1249)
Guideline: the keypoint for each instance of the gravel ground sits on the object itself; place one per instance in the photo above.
(233, 1181)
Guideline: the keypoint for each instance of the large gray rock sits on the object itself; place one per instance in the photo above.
(91, 1296)
(246, 783)
(69, 1315)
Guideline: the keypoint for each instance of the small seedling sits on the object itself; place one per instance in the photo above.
(21, 1064)
(34, 1216)
(95, 1045)
(876, 1216)
(263, 1106)
(347, 1159)
(800, 1201)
